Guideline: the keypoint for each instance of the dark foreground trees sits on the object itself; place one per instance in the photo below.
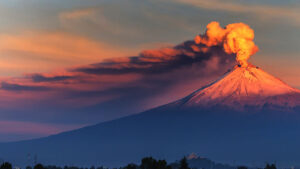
(151, 163)
(270, 166)
(6, 165)
(183, 164)
(39, 166)
(131, 166)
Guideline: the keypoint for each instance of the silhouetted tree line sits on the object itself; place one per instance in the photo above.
(146, 163)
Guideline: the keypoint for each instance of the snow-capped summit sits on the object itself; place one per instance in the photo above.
(243, 87)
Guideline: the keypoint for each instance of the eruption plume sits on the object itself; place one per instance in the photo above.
(235, 38)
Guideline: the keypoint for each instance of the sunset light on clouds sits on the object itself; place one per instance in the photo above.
(67, 64)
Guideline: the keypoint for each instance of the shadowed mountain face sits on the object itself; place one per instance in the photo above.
(206, 122)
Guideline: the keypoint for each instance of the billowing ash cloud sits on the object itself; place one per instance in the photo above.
(235, 38)
(41, 78)
(125, 85)
(159, 61)
(18, 87)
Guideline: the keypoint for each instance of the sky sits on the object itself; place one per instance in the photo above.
(72, 63)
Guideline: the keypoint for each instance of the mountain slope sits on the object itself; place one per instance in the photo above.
(197, 123)
(245, 87)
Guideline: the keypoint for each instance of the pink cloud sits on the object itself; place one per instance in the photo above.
(48, 51)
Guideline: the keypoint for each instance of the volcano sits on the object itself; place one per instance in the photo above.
(246, 116)
(243, 88)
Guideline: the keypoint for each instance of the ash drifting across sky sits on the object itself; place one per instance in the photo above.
(134, 83)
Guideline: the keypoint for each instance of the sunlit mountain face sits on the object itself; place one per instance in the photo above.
(245, 87)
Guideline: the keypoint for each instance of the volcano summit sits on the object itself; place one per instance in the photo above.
(245, 87)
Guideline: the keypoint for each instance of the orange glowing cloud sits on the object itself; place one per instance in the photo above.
(77, 14)
(235, 38)
(45, 51)
(164, 54)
